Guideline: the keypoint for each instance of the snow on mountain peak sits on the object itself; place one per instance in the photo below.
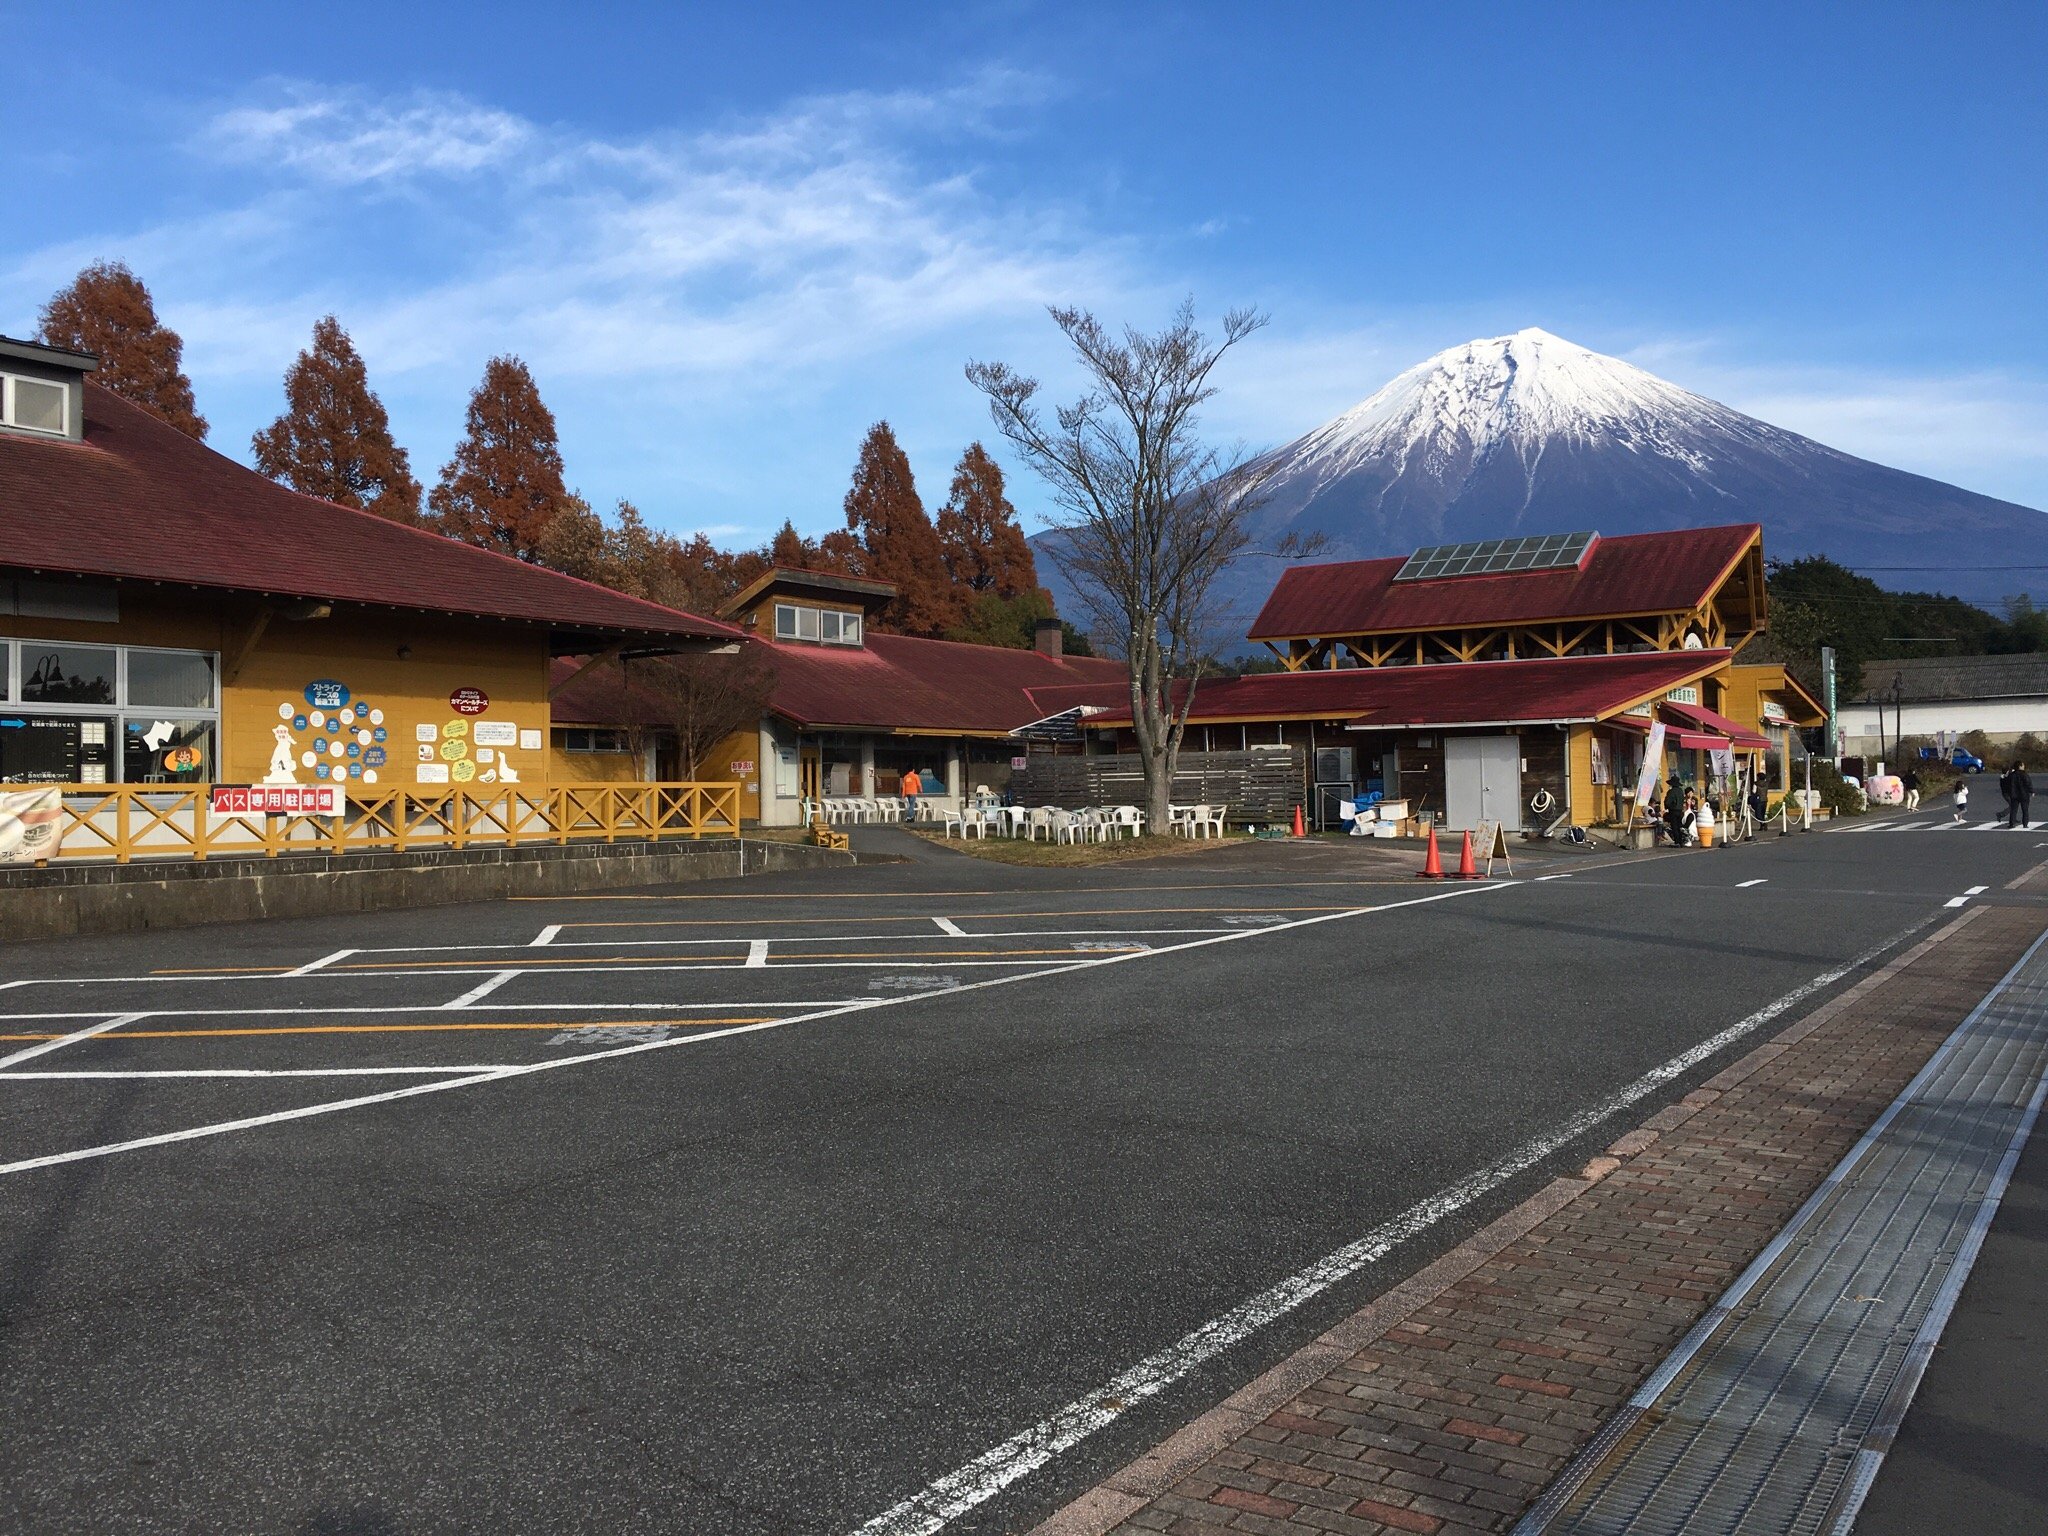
(1452, 412)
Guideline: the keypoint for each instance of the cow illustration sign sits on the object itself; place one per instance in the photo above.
(469, 701)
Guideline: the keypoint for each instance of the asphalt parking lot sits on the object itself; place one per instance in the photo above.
(886, 1200)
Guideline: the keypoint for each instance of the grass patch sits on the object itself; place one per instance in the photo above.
(1123, 850)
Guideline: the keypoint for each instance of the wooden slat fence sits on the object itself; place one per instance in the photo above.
(1259, 786)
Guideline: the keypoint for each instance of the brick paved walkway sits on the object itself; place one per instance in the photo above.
(1449, 1404)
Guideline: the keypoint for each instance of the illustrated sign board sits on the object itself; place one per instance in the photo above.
(1686, 695)
(29, 825)
(326, 693)
(278, 800)
(740, 767)
(469, 701)
(496, 733)
(1775, 712)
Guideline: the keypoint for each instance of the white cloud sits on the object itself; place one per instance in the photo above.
(351, 137)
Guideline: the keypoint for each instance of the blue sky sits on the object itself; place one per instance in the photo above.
(728, 238)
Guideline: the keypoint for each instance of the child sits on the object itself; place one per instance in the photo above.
(1962, 798)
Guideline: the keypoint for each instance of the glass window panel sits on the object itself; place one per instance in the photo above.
(38, 406)
(165, 749)
(170, 679)
(850, 631)
(66, 674)
(785, 622)
(807, 623)
(828, 627)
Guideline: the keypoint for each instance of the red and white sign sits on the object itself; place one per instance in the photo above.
(469, 701)
(278, 800)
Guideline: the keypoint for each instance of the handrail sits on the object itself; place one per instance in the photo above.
(130, 821)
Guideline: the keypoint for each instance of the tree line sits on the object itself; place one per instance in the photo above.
(968, 574)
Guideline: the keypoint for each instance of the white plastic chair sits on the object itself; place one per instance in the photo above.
(1129, 821)
(1066, 827)
(1213, 819)
(1197, 821)
(1039, 819)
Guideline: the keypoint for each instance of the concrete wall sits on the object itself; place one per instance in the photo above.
(2000, 719)
(60, 902)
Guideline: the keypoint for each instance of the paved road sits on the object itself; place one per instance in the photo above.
(967, 1144)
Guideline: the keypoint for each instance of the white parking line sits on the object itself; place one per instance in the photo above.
(941, 1502)
(482, 989)
(947, 925)
(299, 1011)
(1743, 885)
(545, 937)
(1977, 890)
(1957, 901)
(44, 1048)
(73, 1077)
(863, 1005)
(757, 954)
(325, 960)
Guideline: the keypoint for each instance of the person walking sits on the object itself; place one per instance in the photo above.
(1962, 798)
(2023, 793)
(910, 789)
(1910, 782)
(2008, 786)
(1674, 811)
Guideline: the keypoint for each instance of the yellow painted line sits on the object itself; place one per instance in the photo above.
(1096, 890)
(958, 917)
(384, 1029)
(407, 967)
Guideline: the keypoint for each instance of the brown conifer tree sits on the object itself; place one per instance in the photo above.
(106, 311)
(985, 549)
(897, 540)
(334, 438)
(504, 485)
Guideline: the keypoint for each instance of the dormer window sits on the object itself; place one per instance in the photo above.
(827, 626)
(34, 405)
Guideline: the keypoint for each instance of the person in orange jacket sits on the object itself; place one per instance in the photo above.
(913, 786)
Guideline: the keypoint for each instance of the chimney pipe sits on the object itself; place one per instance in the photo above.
(1048, 638)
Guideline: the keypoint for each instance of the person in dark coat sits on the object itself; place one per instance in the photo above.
(2009, 787)
(1674, 811)
(2023, 793)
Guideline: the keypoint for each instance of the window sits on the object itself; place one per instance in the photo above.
(104, 714)
(34, 405)
(829, 625)
(595, 741)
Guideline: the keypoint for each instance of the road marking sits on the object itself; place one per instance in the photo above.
(785, 922)
(58, 1042)
(1956, 901)
(540, 940)
(1977, 890)
(757, 954)
(481, 989)
(325, 960)
(947, 925)
(1541, 878)
(614, 1053)
(944, 1500)
(1743, 885)
(237, 1072)
(384, 1029)
(301, 1010)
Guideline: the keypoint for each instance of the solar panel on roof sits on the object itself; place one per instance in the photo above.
(1488, 557)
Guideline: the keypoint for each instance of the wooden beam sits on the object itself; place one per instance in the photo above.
(555, 690)
(246, 646)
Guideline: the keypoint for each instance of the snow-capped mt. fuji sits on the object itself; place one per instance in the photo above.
(1531, 434)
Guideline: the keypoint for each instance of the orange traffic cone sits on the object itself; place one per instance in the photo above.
(1299, 829)
(1432, 865)
(1468, 868)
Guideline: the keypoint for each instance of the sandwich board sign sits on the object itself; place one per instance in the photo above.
(1491, 840)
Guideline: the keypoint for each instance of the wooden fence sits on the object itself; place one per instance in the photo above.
(131, 821)
(1258, 786)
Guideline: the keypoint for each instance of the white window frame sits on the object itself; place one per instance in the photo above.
(9, 414)
(13, 653)
(792, 627)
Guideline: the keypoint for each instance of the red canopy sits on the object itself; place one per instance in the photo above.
(1697, 720)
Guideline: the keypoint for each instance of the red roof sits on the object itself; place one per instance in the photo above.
(892, 683)
(139, 500)
(1630, 574)
(1462, 693)
(1704, 719)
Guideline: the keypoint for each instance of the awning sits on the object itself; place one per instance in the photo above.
(1696, 741)
(1696, 719)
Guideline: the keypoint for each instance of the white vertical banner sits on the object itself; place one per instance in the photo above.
(1653, 770)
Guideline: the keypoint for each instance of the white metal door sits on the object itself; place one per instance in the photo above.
(1483, 781)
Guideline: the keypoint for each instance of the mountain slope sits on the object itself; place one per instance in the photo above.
(1531, 434)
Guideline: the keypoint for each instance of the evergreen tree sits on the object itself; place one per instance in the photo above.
(106, 311)
(897, 540)
(984, 548)
(334, 438)
(504, 485)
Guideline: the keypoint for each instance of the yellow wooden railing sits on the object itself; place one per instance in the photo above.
(131, 821)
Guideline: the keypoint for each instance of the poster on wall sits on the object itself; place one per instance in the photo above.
(469, 701)
(495, 733)
(1603, 773)
(432, 773)
(29, 823)
(277, 800)
(529, 741)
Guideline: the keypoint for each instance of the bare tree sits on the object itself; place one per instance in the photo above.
(1150, 515)
(707, 697)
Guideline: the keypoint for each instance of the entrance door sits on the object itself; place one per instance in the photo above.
(1483, 781)
(808, 775)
